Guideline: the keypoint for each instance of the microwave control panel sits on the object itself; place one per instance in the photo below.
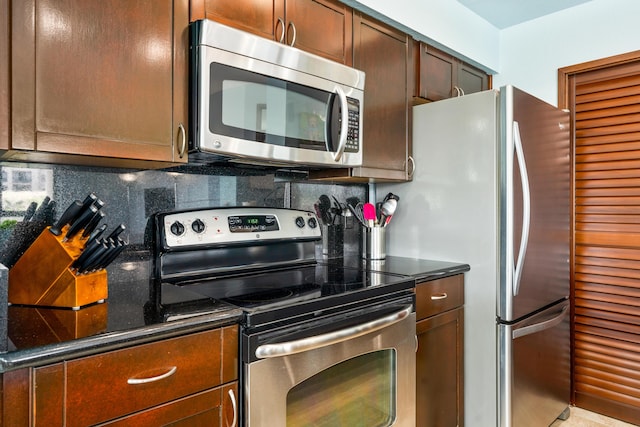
(353, 129)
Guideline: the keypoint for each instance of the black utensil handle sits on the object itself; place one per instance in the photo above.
(67, 217)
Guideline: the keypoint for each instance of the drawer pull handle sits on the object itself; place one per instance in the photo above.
(167, 374)
(440, 296)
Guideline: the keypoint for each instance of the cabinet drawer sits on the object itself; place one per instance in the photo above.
(113, 384)
(437, 296)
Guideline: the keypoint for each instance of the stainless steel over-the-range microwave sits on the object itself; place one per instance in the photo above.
(254, 100)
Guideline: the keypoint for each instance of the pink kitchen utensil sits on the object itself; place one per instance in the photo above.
(369, 213)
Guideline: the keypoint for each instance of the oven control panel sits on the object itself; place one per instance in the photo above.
(238, 225)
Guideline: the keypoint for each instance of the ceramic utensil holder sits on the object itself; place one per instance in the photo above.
(374, 243)
(43, 277)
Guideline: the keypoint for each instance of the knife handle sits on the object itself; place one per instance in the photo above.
(92, 224)
(92, 259)
(80, 223)
(89, 200)
(115, 233)
(97, 233)
(67, 217)
(111, 255)
(89, 248)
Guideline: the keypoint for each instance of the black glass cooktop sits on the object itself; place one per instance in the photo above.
(279, 294)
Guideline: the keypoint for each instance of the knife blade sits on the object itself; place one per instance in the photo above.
(68, 216)
(81, 222)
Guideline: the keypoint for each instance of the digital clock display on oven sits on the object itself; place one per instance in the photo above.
(251, 223)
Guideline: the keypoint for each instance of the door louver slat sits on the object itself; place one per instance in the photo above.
(606, 264)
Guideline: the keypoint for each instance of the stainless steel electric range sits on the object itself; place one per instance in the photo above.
(319, 342)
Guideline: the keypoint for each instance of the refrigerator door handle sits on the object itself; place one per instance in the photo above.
(526, 208)
(539, 327)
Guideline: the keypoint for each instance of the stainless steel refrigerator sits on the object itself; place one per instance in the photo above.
(492, 189)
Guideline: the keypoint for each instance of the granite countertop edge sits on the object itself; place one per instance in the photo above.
(58, 352)
(421, 270)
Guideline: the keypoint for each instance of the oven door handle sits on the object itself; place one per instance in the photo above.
(266, 351)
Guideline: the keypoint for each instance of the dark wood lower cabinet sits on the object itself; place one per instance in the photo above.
(184, 381)
(440, 355)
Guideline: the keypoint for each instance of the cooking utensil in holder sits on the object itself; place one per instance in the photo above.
(43, 277)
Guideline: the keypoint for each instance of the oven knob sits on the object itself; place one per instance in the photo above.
(177, 229)
(312, 222)
(197, 226)
(300, 222)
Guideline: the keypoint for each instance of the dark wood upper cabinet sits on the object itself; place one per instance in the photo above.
(384, 54)
(106, 80)
(441, 76)
(321, 27)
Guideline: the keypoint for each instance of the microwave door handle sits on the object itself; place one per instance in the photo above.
(344, 124)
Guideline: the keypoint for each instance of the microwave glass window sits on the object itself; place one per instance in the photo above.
(265, 109)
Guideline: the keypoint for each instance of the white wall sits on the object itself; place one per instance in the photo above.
(527, 55)
(445, 23)
(531, 53)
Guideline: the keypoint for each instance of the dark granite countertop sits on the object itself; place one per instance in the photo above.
(421, 269)
(41, 336)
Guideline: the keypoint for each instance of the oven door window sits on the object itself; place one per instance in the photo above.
(255, 107)
(358, 392)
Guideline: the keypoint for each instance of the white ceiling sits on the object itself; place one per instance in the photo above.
(505, 13)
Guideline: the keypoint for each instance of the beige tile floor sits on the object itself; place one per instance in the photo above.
(583, 418)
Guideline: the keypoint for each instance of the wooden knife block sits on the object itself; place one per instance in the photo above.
(42, 276)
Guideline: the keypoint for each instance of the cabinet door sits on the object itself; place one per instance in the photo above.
(383, 53)
(100, 78)
(471, 80)
(15, 409)
(436, 74)
(439, 370)
(441, 76)
(322, 27)
(261, 17)
(200, 409)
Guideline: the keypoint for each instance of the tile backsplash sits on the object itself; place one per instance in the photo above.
(132, 196)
